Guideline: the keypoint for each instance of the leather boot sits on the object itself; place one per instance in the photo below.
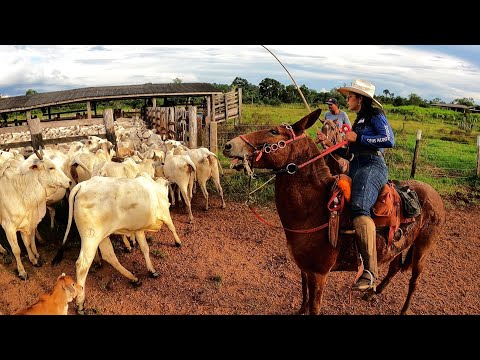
(366, 243)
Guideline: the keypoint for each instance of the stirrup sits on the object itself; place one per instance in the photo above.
(364, 284)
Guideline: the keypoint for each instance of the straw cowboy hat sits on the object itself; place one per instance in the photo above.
(361, 87)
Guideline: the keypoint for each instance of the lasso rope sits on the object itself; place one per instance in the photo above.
(291, 77)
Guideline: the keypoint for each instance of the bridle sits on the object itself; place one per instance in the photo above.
(292, 167)
(289, 169)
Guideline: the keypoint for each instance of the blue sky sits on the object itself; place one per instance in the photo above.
(447, 72)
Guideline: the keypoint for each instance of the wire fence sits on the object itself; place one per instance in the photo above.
(431, 162)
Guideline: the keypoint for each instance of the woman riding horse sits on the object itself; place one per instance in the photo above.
(303, 188)
(371, 134)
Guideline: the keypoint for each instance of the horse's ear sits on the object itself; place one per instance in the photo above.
(307, 121)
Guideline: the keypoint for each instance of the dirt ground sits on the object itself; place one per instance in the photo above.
(230, 263)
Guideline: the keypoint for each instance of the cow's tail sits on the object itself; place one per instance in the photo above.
(215, 159)
(71, 199)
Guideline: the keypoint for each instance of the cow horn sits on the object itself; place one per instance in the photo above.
(39, 154)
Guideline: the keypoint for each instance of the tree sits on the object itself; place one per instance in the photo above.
(291, 95)
(465, 101)
(386, 92)
(31, 92)
(414, 99)
(398, 101)
(239, 82)
(177, 81)
(271, 89)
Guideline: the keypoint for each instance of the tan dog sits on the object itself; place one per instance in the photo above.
(55, 303)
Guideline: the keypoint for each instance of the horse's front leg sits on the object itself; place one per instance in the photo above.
(316, 287)
(303, 308)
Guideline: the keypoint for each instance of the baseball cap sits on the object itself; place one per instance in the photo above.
(332, 101)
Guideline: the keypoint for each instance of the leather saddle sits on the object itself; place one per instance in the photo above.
(387, 210)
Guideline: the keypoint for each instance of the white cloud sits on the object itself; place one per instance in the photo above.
(447, 72)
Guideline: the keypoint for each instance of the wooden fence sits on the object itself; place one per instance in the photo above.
(228, 106)
(35, 126)
(182, 123)
(177, 123)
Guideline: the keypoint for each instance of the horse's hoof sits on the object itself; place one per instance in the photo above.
(81, 312)
(136, 283)
(369, 295)
(38, 264)
(153, 274)
(178, 245)
(127, 250)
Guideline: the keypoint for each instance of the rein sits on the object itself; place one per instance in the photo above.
(262, 220)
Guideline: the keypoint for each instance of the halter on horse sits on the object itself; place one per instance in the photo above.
(302, 192)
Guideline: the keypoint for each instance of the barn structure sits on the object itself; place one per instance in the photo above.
(455, 107)
(201, 99)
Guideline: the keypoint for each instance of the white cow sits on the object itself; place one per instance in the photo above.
(23, 204)
(103, 206)
(207, 167)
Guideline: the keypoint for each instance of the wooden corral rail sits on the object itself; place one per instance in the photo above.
(177, 123)
(35, 127)
(228, 106)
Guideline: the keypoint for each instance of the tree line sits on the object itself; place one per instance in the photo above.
(272, 92)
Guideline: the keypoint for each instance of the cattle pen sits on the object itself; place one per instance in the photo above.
(193, 122)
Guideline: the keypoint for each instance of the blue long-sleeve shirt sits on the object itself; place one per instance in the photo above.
(376, 134)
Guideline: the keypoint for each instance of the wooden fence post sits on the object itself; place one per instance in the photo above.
(192, 127)
(226, 108)
(415, 155)
(239, 105)
(109, 128)
(213, 137)
(477, 170)
(35, 131)
(89, 110)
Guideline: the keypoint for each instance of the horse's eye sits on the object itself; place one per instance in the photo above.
(274, 132)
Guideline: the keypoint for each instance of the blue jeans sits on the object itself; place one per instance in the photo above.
(369, 174)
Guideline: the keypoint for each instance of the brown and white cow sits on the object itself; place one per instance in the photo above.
(55, 303)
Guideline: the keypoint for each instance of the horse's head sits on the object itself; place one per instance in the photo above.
(270, 148)
(331, 134)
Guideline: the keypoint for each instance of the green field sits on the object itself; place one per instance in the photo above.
(447, 157)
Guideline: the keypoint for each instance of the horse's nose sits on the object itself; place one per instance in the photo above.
(227, 148)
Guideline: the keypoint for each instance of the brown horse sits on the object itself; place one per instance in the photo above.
(302, 190)
(332, 135)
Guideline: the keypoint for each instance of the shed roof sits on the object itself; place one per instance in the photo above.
(35, 101)
(453, 106)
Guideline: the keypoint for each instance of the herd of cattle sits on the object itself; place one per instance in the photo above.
(124, 193)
